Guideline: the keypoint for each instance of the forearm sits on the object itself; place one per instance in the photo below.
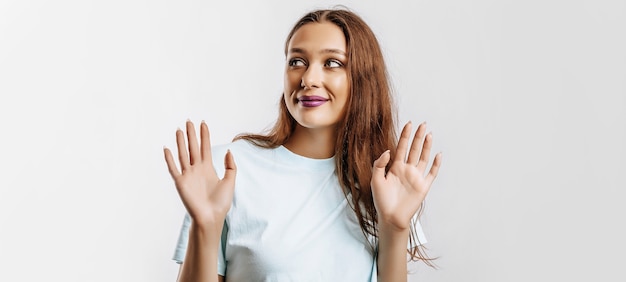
(201, 259)
(392, 260)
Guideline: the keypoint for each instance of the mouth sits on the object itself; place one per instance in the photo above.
(312, 101)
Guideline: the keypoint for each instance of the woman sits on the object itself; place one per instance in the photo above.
(326, 195)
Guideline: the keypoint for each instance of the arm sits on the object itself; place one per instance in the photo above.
(220, 278)
(202, 251)
(398, 194)
(207, 199)
(392, 262)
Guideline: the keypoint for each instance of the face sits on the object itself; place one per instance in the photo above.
(316, 80)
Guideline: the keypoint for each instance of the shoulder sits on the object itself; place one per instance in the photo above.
(243, 152)
(237, 146)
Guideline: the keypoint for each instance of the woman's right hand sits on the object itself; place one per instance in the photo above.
(206, 197)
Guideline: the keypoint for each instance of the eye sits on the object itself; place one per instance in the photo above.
(333, 63)
(296, 62)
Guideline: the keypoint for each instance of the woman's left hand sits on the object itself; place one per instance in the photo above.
(399, 193)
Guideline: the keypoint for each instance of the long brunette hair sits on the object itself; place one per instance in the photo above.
(368, 127)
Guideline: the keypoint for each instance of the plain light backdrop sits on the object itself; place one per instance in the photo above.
(526, 100)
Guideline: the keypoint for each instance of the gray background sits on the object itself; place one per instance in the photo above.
(526, 99)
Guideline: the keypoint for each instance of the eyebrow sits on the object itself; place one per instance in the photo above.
(333, 51)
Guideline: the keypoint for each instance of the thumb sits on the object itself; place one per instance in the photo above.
(380, 164)
(230, 167)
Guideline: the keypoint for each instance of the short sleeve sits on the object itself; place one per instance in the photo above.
(183, 239)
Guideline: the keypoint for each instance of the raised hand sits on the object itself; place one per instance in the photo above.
(399, 193)
(206, 197)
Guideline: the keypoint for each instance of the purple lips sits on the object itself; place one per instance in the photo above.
(312, 101)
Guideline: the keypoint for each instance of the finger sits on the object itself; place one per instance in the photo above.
(434, 170)
(416, 145)
(380, 164)
(171, 166)
(205, 142)
(192, 140)
(425, 156)
(230, 167)
(183, 158)
(403, 143)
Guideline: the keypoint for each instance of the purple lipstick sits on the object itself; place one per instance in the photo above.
(312, 101)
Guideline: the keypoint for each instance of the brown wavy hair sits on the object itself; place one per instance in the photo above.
(368, 127)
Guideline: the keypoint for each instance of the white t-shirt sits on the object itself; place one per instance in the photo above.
(289, 221)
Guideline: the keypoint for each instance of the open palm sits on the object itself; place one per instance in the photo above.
(206, 197)
(399, 193)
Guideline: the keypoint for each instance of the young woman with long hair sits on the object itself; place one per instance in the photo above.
(329, 193)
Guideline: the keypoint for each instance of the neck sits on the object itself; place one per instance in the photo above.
(312, 143)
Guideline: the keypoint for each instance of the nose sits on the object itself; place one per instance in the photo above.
(312, 77)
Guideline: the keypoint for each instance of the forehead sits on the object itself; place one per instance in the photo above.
(318, 36)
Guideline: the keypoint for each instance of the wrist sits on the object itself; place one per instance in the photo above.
(392, 224)
(391, 229)
(207, 227)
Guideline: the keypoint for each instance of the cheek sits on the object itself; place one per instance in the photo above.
(292, 82)
(340, 86)
(344, 86)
